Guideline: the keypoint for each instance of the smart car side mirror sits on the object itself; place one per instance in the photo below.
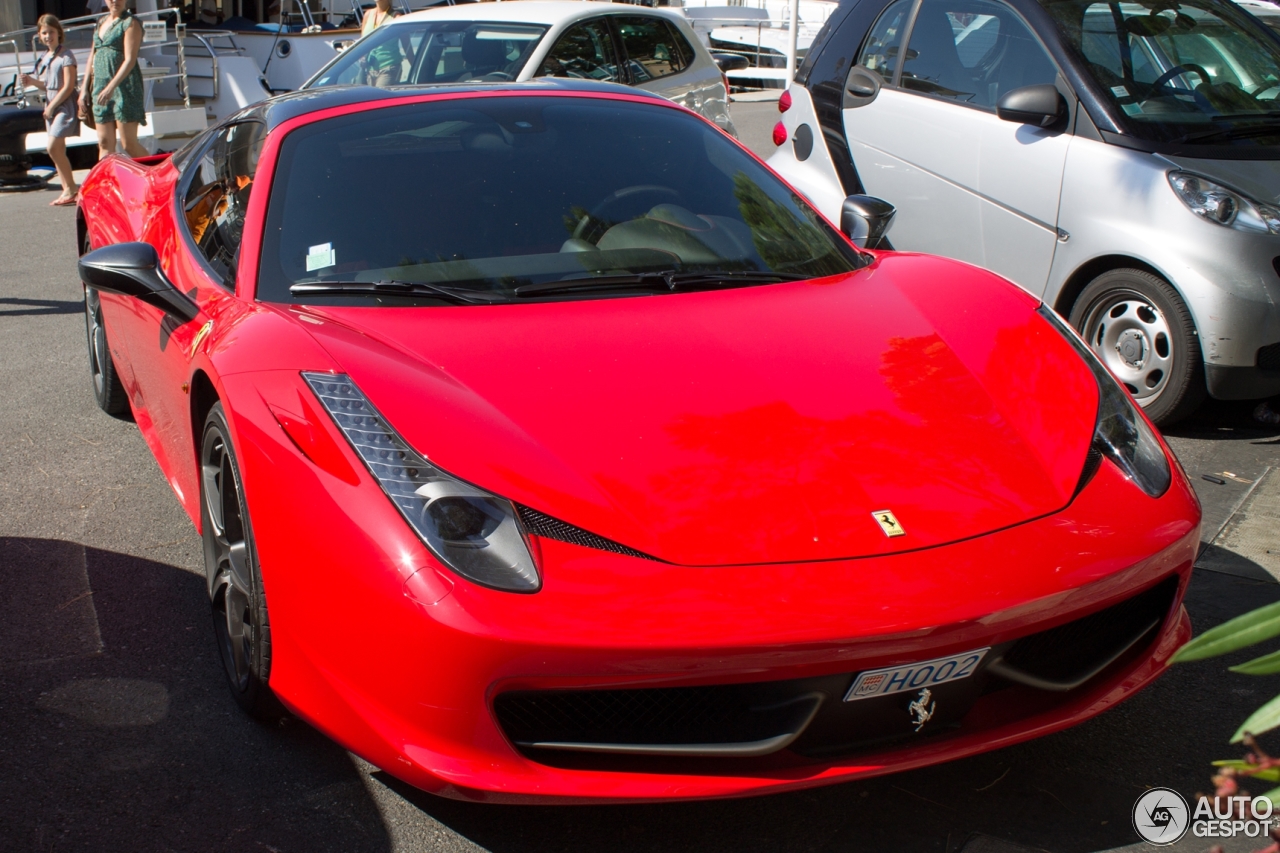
(865, 220)
(133, 269)
(1041, 105)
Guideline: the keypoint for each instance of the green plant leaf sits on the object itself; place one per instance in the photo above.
(1271, 774)
(1273, 795)
(1265, 665)
(1262, 720)
(1245, 630)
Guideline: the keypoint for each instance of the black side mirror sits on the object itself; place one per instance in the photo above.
(865, 220)
(133, 269)
(1041, 106)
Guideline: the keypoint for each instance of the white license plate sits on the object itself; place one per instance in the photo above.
(915, 676)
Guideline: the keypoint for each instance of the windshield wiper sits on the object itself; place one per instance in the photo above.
(1269, 124)
(458, 296)
(655, 282)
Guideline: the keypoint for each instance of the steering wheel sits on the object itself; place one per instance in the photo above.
(626, 194)
(1164, 78)
(497, 75)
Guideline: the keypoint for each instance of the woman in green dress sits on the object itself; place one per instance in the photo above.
(117, 96)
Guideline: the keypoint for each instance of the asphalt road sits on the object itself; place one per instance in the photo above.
(116, 732)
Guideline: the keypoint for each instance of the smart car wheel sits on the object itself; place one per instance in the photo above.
(235, 585)
(107, 390)
(1143, 332)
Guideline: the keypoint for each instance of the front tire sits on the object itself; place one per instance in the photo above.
(1142, 331)
(239, 605)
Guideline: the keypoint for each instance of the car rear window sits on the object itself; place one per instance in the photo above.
(491, 194)
(654, 48)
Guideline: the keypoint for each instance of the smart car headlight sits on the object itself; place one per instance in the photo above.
(1222, 206)
(473, 532)
(1120, 433)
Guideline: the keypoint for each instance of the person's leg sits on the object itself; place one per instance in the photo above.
(58, 154)
(106, 138)
(129, 139)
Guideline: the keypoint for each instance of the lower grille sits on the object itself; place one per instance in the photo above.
(808, 716)
(1065, 657)
(1269, 357)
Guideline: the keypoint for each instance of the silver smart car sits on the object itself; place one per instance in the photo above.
(1121, 160)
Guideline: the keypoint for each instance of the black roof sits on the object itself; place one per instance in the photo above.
(282, 108)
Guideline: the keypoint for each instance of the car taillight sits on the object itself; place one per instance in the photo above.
(725, 78)
(784, 104)
(779, 133)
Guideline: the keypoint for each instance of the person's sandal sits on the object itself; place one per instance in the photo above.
(65, 201)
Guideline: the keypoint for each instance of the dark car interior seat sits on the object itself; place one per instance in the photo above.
(933, 65)
(482, 56)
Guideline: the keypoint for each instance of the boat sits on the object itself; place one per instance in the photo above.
(759, 31)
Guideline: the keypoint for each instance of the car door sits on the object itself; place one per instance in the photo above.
(200, 257)
(584, 51)
(923, 133)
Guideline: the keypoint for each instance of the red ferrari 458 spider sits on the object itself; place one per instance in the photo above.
(545, 445)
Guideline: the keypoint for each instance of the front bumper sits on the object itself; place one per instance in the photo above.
(385, 652)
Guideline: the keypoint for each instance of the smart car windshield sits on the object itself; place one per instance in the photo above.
(433, 52)
(519, 198)
(1198, 72)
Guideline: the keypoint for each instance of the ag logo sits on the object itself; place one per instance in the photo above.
(1160, 816)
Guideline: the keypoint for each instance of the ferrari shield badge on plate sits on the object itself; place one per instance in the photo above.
(888, 523)
(915, 676)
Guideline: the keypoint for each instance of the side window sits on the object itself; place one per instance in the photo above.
(880, 53)
(973, 51)
(585, 51)
(218, 194)
(652, 51)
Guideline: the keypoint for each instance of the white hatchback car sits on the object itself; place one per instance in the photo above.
(651, 49)
(1119, 159)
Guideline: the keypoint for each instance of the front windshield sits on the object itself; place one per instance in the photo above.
(433, 52)
(1198, 72)
(487, 195)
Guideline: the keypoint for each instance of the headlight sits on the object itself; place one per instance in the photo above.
(473, 532)
(1121, 433)
(1222, 206)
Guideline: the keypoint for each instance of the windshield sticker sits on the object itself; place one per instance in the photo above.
(1120, 91)
(319, 257)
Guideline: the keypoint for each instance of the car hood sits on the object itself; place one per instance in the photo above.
(756, 425)
(1258, 179)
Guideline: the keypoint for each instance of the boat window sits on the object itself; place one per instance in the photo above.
(973, 51)
(420, 52)
(1201, 72)
(880, 53)
(491, 195)
(653, 48)
(585, 51)
(217, 195)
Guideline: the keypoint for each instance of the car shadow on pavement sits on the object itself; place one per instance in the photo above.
(1224, 419)
(1071, 792)
(18, 307)
(117, 731)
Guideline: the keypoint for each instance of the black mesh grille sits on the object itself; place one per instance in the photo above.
(541, 524)
(1269, 357)
(726, 713)
(1062, 654)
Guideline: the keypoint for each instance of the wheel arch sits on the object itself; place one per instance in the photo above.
(1088, 271)
(203, 396)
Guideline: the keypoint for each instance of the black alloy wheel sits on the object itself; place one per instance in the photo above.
(108, 392)
(231, 567)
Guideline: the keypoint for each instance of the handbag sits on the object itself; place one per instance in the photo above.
(83, 112)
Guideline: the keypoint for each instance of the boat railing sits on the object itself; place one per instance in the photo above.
(185, 43)
(12, 44)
